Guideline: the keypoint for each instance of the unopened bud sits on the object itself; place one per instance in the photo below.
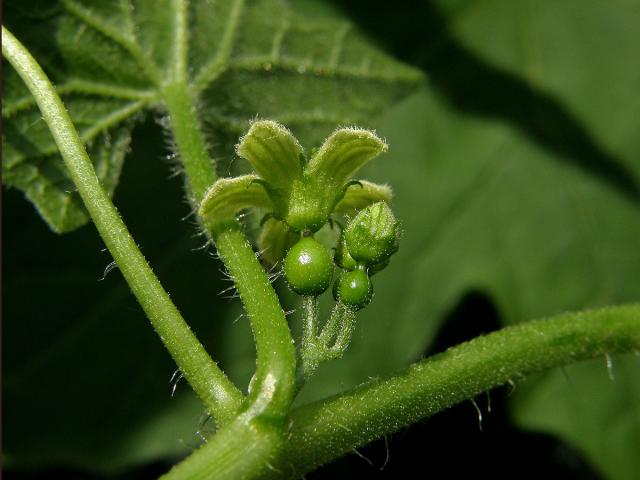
(372, 236)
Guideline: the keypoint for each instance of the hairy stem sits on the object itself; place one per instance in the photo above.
(199, 169)
(248, 448)
(308, 354)
(330, 329)
(345, 331)
(272, 387)
(220, 396)
(325, 430)
(240, 450)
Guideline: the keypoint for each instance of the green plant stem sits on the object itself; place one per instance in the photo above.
(308, 354)
(248, 448)
(330, 328)
(328, 429)
(318, 348)
(220, 396)
(199, 169)
(272, 388)
(345, 332)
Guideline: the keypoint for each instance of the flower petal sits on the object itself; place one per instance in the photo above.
(273, 151)
(227, 196)
(344, 153)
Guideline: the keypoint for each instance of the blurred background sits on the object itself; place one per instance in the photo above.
(516, 168)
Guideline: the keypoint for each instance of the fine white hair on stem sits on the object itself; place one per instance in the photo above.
(479, 412)
(355, 450)
(113, 265)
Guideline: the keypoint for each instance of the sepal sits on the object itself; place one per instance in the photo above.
(275, 240)
(362, 194)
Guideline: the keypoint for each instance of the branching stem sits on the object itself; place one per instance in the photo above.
(260, 436)
(272, 387)
(220, 396)
(328, 344)
(308, 350)
(328, 429)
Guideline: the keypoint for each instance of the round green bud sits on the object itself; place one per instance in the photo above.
(372, 236)
(354, 288)
(308, 267)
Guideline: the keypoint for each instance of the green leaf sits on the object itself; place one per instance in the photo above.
(111, 59)
(505, 182)
(76, 341)
(516, 174)
(32, 164)
(595, 407)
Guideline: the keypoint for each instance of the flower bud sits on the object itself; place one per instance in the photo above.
(372, 236)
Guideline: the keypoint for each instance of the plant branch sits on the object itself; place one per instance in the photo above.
(248, 448)
(271, 390)
(180, 39)
(251, 446)
(272, 387)
(199, 169)
(332, 341)
(220, 396)
(328, 429)
(308, 350)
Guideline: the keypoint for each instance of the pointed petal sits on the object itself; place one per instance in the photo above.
(345, 152)
(228, 196)
(273, 151)
(362, 194)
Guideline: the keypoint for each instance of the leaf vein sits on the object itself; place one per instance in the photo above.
(336, 50)
(278, 38)
(81, 87)
(127, 44)
(109, 121)
(213, 69)
(295, 65)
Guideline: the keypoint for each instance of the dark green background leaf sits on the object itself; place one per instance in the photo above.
(516, 174)
(519, 179)
(109, 60)
(86, 380)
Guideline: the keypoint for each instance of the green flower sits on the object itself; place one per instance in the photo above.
(297, 194)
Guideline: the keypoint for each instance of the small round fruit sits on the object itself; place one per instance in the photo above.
(308, 267)
(354, 288)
